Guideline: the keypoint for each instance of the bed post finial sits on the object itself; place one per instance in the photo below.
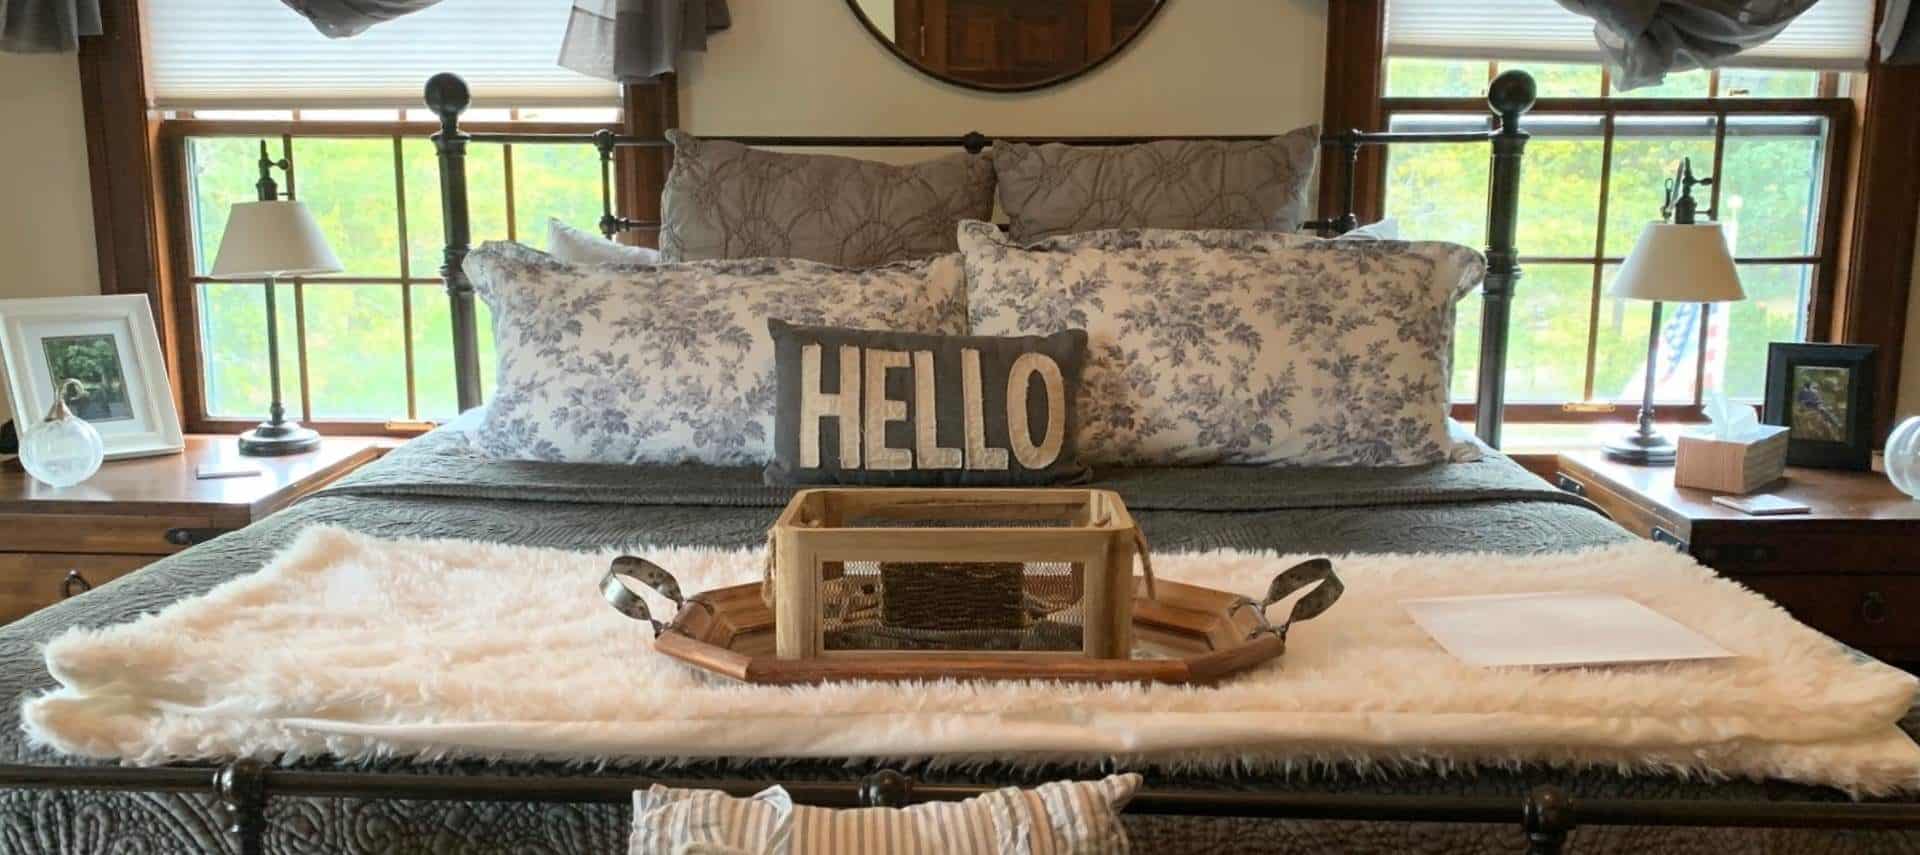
(1548, 817)
(241, 790)
(886, 788)
(447, 96)
(1510, 95)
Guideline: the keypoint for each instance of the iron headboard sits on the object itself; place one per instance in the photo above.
(1510, 95)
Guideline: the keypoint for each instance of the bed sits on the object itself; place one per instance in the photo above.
(442, 486)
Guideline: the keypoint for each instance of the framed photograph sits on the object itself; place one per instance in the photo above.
(109, 346)
(1823, 394)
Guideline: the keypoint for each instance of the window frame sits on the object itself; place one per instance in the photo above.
(1827, 257)
(171, 139)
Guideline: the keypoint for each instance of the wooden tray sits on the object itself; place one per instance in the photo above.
(1194, 635)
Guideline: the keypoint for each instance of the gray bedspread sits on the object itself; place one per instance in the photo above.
(437, 486)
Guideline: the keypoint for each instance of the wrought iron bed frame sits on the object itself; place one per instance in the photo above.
(1510, 96)
(1546, 815)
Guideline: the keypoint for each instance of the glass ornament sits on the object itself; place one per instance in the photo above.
(1903, 457)
(62, 450)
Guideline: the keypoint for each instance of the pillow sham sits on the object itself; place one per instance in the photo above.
(895, 409)
(1062, 816)
(1321, 353)
(725, 200)
(669, 363)
(1172, 184)
(576, 246)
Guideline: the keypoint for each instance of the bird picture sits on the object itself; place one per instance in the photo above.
(1819, 408)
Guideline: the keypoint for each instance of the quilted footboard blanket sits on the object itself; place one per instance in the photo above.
(437, 487)
(358, 647)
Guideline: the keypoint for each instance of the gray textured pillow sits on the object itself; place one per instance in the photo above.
(725, 200)
(1170, 184)
(669, 363)
(942, 406)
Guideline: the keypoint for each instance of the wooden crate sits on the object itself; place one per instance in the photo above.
(831, 546)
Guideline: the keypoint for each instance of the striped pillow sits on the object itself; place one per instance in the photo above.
(1061, 818)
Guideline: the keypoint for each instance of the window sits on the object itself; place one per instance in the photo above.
(1593, 176)
(370, 345)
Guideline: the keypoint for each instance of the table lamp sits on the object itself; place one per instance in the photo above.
(1676, 259)
(271, 238)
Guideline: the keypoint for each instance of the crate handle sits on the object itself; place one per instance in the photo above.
(1146, 562)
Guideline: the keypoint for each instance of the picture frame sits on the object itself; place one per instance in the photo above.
(110, 344)
(1823, 394)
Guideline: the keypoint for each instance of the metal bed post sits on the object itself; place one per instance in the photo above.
(447, 97)
(1511, 94)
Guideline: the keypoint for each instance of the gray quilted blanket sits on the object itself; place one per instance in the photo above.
(437, 486)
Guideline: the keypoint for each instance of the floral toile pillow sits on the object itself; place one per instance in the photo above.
(670, 363)
(1320, 353)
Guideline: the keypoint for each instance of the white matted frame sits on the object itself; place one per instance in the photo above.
(125, 394)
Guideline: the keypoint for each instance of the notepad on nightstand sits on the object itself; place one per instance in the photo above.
(1551, 630)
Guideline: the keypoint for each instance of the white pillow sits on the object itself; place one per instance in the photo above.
(670, 363)
(580, 247)
(1387, 229)
(1063, 816)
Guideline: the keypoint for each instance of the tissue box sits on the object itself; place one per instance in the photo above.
(1731, 465)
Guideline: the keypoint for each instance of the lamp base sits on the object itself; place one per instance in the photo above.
(274, 440)
(1644, 447)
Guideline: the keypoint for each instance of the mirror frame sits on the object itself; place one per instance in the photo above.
(886, 40)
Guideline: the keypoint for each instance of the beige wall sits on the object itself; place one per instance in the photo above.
(1204, 66)
(46, 214)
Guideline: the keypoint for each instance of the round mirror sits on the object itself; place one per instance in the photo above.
(1005, 45)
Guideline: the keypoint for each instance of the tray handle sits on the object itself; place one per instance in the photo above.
(625, 598)
(1315, 571)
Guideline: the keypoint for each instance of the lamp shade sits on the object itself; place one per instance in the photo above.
(278, 238)
(1678, 263)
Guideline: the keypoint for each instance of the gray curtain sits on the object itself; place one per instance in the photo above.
(633, 41)
(1645, 39)
(1899, 36)
(47, 26)
(339, 19)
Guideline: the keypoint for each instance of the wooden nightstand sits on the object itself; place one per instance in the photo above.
(131, 513)
(1851, 568)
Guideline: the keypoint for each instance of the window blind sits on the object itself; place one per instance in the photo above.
(1831, 36)
(248, 54)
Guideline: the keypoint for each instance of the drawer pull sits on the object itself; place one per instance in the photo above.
(1561, 480)
(74, 584)
(192, 536)
(1873, 607)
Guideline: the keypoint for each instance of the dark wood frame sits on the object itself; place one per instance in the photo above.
(1858, 361)
(892, 47)
(1510, 96)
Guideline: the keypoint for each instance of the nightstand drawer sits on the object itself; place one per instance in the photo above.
(30, 581)
(1863, 611)
(97, 534)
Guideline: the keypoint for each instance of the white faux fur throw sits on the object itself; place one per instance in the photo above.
(358, 647)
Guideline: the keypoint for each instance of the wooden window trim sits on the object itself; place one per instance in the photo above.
(1871, 191)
